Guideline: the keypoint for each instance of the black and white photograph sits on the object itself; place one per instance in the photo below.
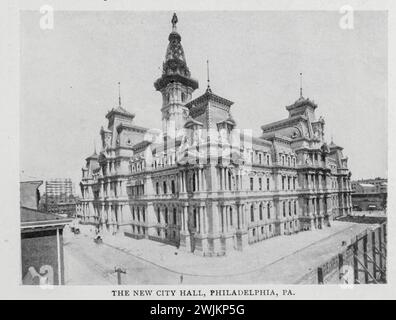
(202, 148)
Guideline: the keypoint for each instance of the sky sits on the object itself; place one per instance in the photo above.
(69, 77)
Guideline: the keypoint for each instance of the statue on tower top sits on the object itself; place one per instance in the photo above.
(174, 21)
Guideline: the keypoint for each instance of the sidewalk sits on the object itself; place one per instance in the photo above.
(236, 263)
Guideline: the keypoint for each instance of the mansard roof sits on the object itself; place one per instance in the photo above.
(141, 145)
(131, 127)
(229, 120)
(301, 102)
(120, 111)
(332, 145)
(93, 156)
(191, 121)
(279, 138)
(282, 123)
(209, 96)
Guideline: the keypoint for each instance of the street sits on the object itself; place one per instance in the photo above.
(281, 260)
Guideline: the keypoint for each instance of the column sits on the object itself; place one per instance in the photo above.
(206, 220)
(103, 219)
(203, 186)
(239, 216)
(182, 219)
(222, 220)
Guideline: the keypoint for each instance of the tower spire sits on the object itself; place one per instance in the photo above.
(301, 85)
(207, 73)
(174, 22)
(119, 94)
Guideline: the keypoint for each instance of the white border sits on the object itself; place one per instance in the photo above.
(9, 186)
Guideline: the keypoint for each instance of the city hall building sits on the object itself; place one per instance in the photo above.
(204, 185)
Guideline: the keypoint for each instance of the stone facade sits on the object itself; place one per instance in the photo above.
(204, 185)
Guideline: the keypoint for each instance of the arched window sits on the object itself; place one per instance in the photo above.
(173, 187)
(195, 218)
(268, 159)
(229, 180)
(251, 213)
(268, 183)
(164, 184)
(268, 211)
(231, 217)
(284, 209)
(158, 215)
(193, 181)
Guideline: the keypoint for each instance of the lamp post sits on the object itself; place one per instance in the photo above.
(119, 271)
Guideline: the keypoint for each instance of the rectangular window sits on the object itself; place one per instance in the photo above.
(288, 183)
(260, 184)
(268, 183)
(283, 183)
(251, 184)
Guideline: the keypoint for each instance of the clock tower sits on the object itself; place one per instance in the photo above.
(175, 85)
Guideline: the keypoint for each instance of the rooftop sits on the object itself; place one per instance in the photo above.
(31, 218)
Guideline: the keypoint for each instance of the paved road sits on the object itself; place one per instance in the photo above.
(89, 263)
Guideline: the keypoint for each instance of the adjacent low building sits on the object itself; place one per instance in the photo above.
(41, 240)
(202, 183)
(370, 194)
